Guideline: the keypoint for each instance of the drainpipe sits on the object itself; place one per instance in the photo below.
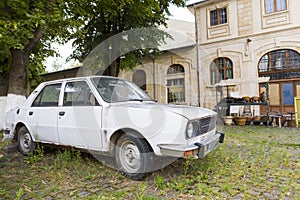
(197, 58)
(153, 76)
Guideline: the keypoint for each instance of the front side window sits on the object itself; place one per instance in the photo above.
(78, 93)
(221, 69)
(275, 6)
(49, 96)
(218, 16)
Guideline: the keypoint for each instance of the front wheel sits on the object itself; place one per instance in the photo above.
(134, 157)
(26, 144)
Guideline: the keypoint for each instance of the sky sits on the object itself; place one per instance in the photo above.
(177, 13)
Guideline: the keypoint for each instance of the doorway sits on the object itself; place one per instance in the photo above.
(281, 95)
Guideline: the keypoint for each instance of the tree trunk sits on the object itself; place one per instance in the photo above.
(3, 84)
(113, 69)
(18, 74)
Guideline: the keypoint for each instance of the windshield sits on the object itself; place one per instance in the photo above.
(114, 90)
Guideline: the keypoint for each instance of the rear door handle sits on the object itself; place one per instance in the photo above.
(30, 113)
(61, 113)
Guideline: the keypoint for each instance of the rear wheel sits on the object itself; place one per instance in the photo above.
(26, 144)
(134, 157)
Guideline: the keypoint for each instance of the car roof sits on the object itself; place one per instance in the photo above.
(78, 78)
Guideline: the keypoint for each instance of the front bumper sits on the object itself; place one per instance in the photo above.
(199, 149)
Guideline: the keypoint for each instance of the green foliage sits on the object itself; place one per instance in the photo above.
(31, 26)
(109, 18)
(19, 193)
(36, 156)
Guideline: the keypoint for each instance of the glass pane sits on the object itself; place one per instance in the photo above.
(223, 16)
(213, 77)
(274, 94)
(228, 63)
(229, 74)
(288, 93)
(176, 90)
(264, 64)
(269, 6)
(294, 59)
(221, 75)
(213, 18)
(213, 65)
(281, 5)
(49, 96)
(221, 63)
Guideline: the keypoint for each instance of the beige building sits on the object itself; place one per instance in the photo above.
(242, 40)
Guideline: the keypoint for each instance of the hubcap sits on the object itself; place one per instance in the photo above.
(26, 141)
(130, 157)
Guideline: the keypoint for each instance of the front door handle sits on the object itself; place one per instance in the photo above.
(30, 113)
(61, 113)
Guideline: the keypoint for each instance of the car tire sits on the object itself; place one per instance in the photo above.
(134, 157)
(26, 144)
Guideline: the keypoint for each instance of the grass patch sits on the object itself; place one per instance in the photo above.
(255, 162)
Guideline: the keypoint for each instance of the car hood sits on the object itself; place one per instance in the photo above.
(188, 112)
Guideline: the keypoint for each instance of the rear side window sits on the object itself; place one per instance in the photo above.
(49, 96)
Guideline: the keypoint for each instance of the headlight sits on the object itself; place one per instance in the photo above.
(190, 130)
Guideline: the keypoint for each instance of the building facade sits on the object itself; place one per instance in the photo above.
(240, 41)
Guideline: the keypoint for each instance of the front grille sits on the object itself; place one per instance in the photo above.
(205, 125)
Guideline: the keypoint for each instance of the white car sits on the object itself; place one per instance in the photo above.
(115, 117)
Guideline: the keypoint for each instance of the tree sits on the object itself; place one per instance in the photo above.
(109, 18)
(27, 28)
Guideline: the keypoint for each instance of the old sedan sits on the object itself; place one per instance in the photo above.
(112, 116)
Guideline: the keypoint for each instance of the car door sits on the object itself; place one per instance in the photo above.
(43, 113)
(79, 122)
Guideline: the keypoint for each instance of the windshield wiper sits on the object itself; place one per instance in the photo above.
(136, 99)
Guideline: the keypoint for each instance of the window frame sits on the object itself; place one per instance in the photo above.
(176, 82)
(275, 4)
(84, 102)
(215, 71)
(47, 103)
(219, 16)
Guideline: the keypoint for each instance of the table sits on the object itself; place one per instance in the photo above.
(274, 120)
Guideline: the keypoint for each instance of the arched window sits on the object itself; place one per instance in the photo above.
(175, 84)
(279, 61)
(139, 78)
(220, 69)
(175, 69)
